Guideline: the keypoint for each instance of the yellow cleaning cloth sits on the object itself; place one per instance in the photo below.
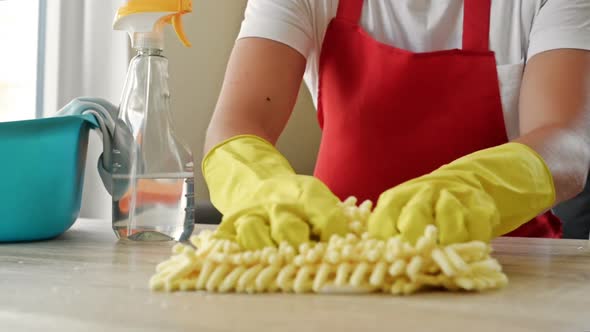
(351, 263)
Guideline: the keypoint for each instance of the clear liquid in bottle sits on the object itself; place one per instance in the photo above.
(158, 197)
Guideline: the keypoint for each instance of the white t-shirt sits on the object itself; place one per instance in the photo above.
(520, 29)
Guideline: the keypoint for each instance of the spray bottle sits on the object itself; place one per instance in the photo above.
(152, 170)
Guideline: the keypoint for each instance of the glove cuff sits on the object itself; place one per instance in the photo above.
(542, 174)
(235, 166)
(233, 142)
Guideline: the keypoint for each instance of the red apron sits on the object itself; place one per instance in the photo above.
(389, 115)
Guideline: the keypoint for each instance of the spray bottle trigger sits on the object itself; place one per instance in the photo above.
(177, 24)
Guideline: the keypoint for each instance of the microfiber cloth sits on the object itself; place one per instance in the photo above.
(114, 132)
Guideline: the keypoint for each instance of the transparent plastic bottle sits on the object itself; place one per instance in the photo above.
(153, 177)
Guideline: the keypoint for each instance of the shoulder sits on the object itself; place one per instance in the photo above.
(561, 24)
(296, 23)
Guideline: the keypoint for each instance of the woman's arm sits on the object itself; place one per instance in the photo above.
(249, 181)
(259, 91)
(555, 116)
(494, 191)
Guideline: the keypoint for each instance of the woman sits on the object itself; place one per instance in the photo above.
(468, 114)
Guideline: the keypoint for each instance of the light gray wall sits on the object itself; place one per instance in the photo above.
(196, 75)
(84, 56)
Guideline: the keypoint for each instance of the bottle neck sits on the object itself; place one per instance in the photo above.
(149, 52)
(153, 40)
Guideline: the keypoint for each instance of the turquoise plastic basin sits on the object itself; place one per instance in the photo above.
(41, 176)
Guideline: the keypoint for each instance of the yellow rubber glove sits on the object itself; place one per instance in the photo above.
(263, 201)
(477, 197)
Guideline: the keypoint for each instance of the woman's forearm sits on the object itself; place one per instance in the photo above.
(566, 152)
(555, 116)
(259, 91)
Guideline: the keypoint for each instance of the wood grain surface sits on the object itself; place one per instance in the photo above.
(86, 280)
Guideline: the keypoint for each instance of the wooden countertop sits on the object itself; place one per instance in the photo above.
(87, 281)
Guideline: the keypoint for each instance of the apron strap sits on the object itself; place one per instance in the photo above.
(476, 25)
(350, 10)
